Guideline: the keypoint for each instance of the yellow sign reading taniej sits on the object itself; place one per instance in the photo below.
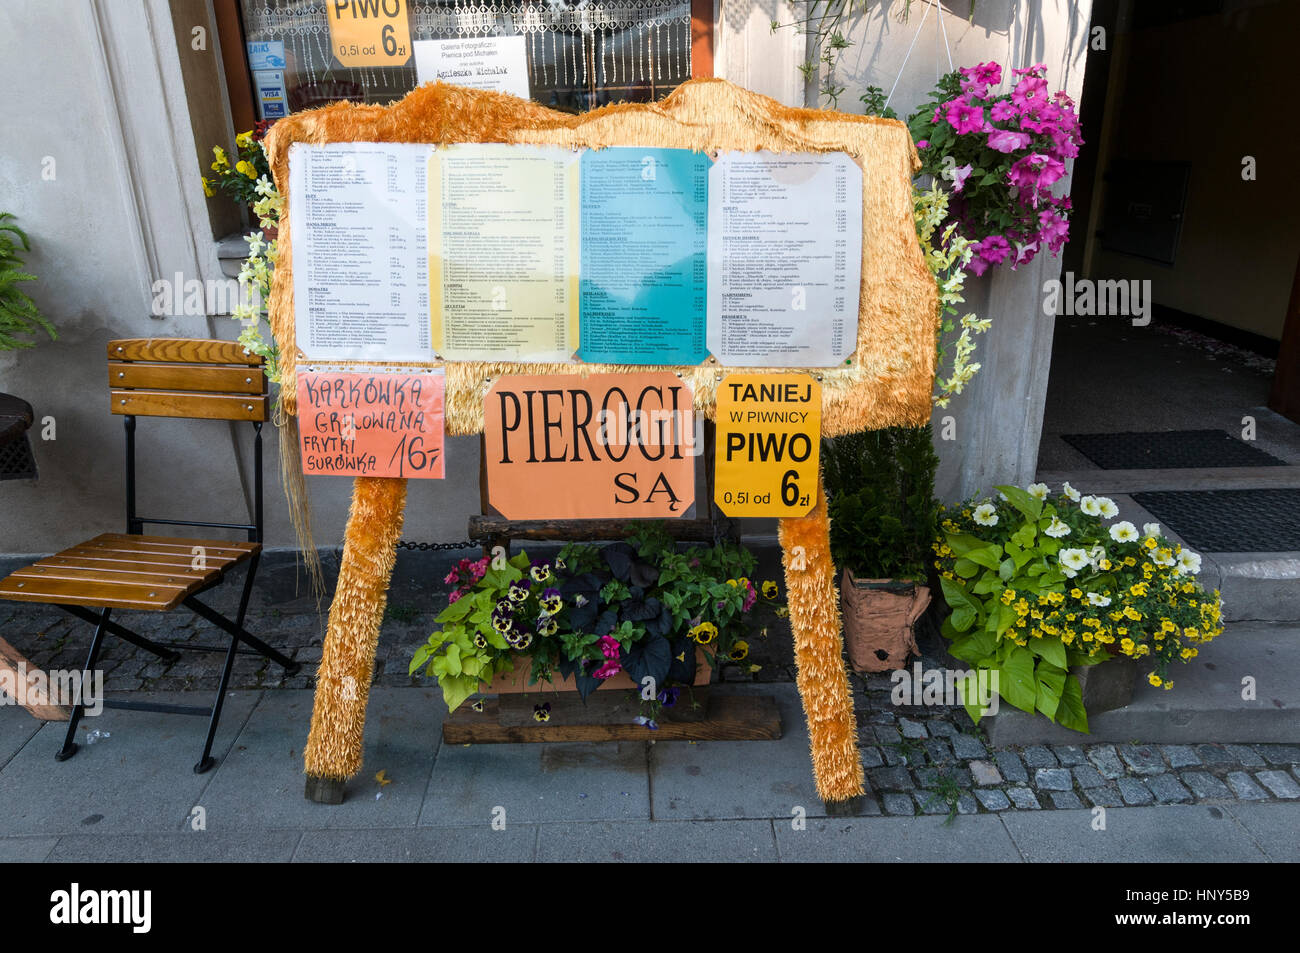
(369, 32)
(768, 442)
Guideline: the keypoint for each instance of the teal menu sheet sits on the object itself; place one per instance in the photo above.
(644, 246)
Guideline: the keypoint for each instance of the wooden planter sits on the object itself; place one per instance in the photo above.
(878, 618)
(516, 682)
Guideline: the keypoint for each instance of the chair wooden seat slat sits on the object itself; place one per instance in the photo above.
(163, 377)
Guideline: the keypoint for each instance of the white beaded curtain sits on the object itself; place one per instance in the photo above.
(581, 53)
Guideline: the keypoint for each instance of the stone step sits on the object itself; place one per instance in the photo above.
(1205, 704)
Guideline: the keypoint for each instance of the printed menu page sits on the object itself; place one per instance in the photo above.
(785, 259)
(644, 217)
(503, 234)
(360, 278)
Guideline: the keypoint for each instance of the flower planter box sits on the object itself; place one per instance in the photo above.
(879, 615)
(516, 682)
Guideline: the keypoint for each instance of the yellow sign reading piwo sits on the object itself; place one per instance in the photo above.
(369, 32)
(769, 435)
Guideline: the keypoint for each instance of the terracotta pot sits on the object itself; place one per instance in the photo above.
(1107, 685)
(878, 618)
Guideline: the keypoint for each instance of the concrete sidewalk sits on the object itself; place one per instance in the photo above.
(131, 796)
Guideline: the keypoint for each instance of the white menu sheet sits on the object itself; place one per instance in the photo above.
(785, 259)
(360, 251)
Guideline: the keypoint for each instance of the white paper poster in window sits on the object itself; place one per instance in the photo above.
(360, 276)
(785, 259)
(485, 62)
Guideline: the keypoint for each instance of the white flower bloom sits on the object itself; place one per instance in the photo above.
(1097, 599)
(1038, 491)
(1096, 555)
(1163, 557)
(1107, 506)
(1150, 529)
(1189, 562)
(986, 514)
(1057, 529)
(1073, 559)
(1124, 532)
(1070, 492)
(1090, 505)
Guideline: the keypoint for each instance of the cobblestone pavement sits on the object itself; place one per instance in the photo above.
(918, 759)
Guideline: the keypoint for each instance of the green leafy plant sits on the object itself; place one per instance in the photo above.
(880, 498)
(1039, 583)
(20, 318)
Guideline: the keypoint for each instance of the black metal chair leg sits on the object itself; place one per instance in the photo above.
(206, 761)
(221, 622)
(69, 745)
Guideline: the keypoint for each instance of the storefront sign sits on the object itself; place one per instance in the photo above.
(488, 62)
(768, 442)
(607, 446)
(371, 424)
(369, 32)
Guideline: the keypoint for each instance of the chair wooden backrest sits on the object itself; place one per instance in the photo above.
(184, 377)
(191, 378)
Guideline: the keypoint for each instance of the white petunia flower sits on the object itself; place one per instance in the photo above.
(1124, 532)
(1090, 505)
(1150, 529)
(1096, 555)
(1097, 599)
(1189, 562)
(1070, 492)
(1057, 529)
(1163, 557)
(1038, 491)
(1107, 506)
(1073, 559)
(986, 514)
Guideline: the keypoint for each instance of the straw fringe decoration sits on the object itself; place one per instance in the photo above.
(347, 662)
(889, 380)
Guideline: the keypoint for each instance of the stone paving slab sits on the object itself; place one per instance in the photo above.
(981, 838)
(1275, 828)
(532, 783)
(193, 847)
(517, 843)
(137, 780)
(17, 727)
(264, 770)
(672, 842)
(25, 850)
(1167, 834)
(739, 779)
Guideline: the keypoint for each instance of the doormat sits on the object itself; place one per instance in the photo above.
(1229, 521)
(1169, 450)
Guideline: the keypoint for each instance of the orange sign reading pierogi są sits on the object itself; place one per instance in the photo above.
(601, 447)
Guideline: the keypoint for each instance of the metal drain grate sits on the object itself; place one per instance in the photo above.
(1169, 450)
(1229, 521)
(16, 460)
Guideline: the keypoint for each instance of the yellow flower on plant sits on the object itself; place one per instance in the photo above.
(739, 650)
(770, 589)
(207, 187)
(782, 612)
(1150, 543)
(1154, 679)
(219, 160)
(1076, 593)
(244, 139)
(733, 583)
(246, 168)
(1128, 645)
(704, 633)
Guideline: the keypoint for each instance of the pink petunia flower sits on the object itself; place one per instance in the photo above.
(959, 176)
(993, 249)
(1004, 140)
(1030, 93)
(608, 670)
(608, 646)
(964, 117)
(1003, 110)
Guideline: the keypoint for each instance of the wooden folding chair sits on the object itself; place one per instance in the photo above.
(163, 377)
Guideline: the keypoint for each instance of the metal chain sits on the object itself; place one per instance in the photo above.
(467, 544)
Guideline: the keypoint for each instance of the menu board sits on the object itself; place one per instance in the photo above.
(360, 277)
(520, 253)
(785, 259)
(644, 220)
(503, 225)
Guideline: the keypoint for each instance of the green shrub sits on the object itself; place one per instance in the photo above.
(19, 316)
(880, 497)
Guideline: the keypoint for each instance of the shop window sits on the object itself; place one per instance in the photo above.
(579, 54)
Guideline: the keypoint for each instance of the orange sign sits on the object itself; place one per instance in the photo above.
(369, 32)
(379, 425)
(608, 446)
